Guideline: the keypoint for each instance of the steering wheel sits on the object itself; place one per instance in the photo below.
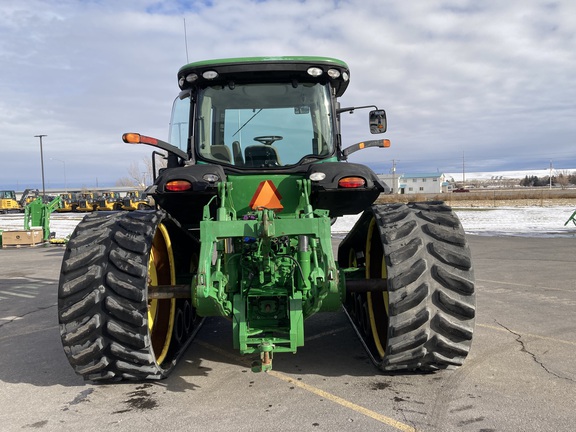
(268, 139)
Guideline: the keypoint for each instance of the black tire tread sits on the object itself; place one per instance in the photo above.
(102, 297)
(435, 329)
(430, 280)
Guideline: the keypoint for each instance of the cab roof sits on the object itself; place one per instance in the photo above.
(266, 69)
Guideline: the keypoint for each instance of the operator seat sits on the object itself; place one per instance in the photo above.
(237, 151)
(221, 153)
(261, 156)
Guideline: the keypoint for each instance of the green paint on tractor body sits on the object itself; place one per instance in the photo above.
(271, 271)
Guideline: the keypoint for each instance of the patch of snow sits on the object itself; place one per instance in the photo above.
(62, 224)
(499, 221)
(507, 174)
(518, 221)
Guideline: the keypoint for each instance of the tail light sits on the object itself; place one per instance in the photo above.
(351, 182)
(178, 185)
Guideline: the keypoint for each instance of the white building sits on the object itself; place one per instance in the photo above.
(393, 181)
(425, 183)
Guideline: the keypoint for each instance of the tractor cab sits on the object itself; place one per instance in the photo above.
(261, 126)
(248, 120)
(253, 114)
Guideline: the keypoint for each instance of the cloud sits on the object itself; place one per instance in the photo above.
(494, 82)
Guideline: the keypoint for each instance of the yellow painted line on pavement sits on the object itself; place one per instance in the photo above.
(328, 333)
(521, 285)
(15, 294)
(502, 329)
(345, 403)
(10, 318)
(315, 390)
(28, 333)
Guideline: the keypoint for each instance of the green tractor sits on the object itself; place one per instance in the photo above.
(255, 174)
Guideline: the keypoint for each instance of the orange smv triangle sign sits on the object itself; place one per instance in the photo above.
(266, 196)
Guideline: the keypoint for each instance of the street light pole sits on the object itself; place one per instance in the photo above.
(42, 165)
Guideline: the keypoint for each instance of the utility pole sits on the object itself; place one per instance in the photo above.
(550, 176)
(42, 166)
(463, 171)
(393, 176)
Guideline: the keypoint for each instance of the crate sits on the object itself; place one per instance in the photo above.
(22, 238)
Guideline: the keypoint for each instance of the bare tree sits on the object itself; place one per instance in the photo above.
(140, 174)
(562, 179)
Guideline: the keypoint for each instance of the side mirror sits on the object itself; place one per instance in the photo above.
(377, 121)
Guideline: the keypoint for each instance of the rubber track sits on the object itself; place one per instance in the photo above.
(102, 300)
(431, 287)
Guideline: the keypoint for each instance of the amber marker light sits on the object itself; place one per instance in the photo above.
(351, 182)
(178, 185)
(131, 138)
(136, 138)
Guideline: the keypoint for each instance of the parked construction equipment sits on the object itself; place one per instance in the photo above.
(69, 202)
(8, 202)
(109, 201)
(87, 202)
(135, 200)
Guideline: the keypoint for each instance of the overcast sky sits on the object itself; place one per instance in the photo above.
(492, 82)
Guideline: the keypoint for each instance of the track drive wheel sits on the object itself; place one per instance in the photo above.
(110, 330)
(425, 319)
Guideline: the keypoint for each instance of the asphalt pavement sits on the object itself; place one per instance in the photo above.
(519, 376)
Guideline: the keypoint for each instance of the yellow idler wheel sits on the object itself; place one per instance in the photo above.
(377, 302)
(161, 312)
